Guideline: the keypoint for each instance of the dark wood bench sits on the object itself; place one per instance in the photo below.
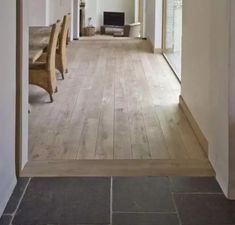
(103, 28)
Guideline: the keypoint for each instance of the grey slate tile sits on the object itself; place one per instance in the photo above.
(145, 219)
(15, 197)
(5, 220)
(65, 201)
(195, 184)
(142, 194)
(205, 209)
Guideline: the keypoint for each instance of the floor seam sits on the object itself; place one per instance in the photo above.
(20, 200)
(111, 201)
(120, 212)
(176, 208)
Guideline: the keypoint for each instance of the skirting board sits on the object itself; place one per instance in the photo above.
(154, 50)
(158, 51)
(197, 130)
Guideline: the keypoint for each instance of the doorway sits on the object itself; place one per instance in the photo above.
(172, 41)
(114, 114)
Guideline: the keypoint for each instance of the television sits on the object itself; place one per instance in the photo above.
(114, 18)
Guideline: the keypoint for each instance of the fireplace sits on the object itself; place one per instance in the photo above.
(114, 19)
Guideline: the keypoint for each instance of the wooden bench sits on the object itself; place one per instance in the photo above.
(104, 27)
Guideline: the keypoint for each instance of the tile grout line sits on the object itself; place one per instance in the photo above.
(198, 193)
(111, 201)
(176, 208)
(160, 213)
(20, 200)
(114, 105)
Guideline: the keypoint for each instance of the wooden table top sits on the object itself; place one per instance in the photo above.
(38, 40)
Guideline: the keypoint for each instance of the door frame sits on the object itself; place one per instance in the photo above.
(76, 19)
(19, 53)
(21, 111)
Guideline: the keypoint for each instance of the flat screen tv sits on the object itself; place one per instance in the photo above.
(114, 18)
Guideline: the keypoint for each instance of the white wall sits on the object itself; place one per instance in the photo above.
(196, 59)
(219, 91)
(150, 21)
(91, 10)
(7, 100)
(154, 23)
(57, 9)
(38, 12)
(96, 8)
(47, 12)
(208, 81)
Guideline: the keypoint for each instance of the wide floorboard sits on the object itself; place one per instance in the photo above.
(118, 102)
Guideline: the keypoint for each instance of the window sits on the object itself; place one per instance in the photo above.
(173, 34)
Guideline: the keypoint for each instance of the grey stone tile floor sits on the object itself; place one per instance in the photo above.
(118, 201)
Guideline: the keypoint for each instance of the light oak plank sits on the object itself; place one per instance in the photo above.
(105, 138)
(118, 101)
(79, 168)
(122, 139)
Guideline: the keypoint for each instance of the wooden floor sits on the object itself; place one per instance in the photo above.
(118, 102)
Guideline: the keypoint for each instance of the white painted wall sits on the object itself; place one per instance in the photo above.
(150, 20)
(38, 13)
(196, 59)
(91, 10)
(219, 89)
(7, 100)
(208, 80)
(47, 12)
(57, 9)
(96, 8)
(154, 23)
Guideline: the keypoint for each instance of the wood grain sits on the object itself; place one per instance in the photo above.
(79, 168)
(119, 101)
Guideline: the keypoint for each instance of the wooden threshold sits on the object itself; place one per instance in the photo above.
(80, 168)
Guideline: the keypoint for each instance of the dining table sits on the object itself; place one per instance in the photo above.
(39, 38)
